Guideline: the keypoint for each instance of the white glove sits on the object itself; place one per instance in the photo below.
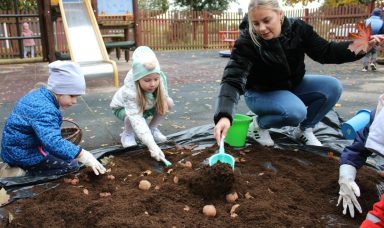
(156, 152)
(89, 160)
(348, 189)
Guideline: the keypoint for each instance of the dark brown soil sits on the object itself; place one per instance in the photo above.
(212, 181)
(276, 188)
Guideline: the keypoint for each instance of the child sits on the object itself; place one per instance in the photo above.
(32, 135)
(368, 140)
(29, 44)
(143, 94)
(377, 27)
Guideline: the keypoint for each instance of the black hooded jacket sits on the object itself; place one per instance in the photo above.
(278, 64)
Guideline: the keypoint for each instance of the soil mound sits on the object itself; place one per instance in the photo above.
(212, 182)
(275, 188)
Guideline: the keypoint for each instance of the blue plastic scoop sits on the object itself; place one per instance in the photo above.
(166, 162)
(222, 157)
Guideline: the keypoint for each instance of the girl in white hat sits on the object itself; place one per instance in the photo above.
(143, 94)
(32, 134)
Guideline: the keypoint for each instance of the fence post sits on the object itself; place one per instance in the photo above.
(47, 25)
(205, 42)
(371, 6)
(137, 26)
(18, 32)
(43, 33)
(306, 15)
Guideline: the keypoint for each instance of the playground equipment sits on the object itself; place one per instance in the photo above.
(230, 38)
(85, 43)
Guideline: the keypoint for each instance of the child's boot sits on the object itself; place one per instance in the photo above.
(128, 137)
(157, 135)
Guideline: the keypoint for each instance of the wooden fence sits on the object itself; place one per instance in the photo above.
(190, 30)
(185, 30)
(10, 28)
(198, 30)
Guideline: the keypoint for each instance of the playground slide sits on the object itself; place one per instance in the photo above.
(84, 39)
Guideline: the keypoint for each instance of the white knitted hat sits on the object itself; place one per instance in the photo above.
(144, 62)
(66, 78)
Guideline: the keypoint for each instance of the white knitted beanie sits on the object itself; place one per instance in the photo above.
(66, 78)
(144, 62)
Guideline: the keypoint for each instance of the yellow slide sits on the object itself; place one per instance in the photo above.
(84, 39)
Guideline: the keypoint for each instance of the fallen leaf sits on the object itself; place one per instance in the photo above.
(4, 197)
(331, 155)
(10, 218)
(176, 180)
(360, 39)
(248, 195)
(234, 207)
(337, 105)
(105, 194)
(146, 173)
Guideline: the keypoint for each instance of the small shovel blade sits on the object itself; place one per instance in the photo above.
(222, 157)
(166, 162)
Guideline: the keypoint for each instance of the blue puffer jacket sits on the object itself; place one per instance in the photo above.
(356, 154)
(35, 121)
(376, 24)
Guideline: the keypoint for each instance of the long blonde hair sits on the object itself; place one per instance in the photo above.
(161, 104)
(272, 4)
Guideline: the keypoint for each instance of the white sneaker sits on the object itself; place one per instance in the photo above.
(128, 139)
(260, 135)
(307, 137)
(373, 67)
(158, 136)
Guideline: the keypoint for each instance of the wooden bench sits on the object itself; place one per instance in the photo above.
(118, 45)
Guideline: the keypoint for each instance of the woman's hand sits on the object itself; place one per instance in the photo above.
(221, 129)
(375, 40)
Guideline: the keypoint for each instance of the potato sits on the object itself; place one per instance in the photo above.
(209, 210)
(188, 164)
(74, 181)
(231, 197)
(144, 185)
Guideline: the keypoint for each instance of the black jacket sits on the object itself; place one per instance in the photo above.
(277, 65)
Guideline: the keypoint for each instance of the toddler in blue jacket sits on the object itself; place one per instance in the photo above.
(32, 133)
(368, 140)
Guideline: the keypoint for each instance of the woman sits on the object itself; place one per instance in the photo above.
(267, 67)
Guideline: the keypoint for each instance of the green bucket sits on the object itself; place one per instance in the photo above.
(237, 133)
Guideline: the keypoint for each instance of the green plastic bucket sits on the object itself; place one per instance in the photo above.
(237, 133)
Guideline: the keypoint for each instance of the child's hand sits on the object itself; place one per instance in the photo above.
(156, 152)
(89, 160)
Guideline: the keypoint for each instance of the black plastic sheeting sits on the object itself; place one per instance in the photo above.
(328, 132)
